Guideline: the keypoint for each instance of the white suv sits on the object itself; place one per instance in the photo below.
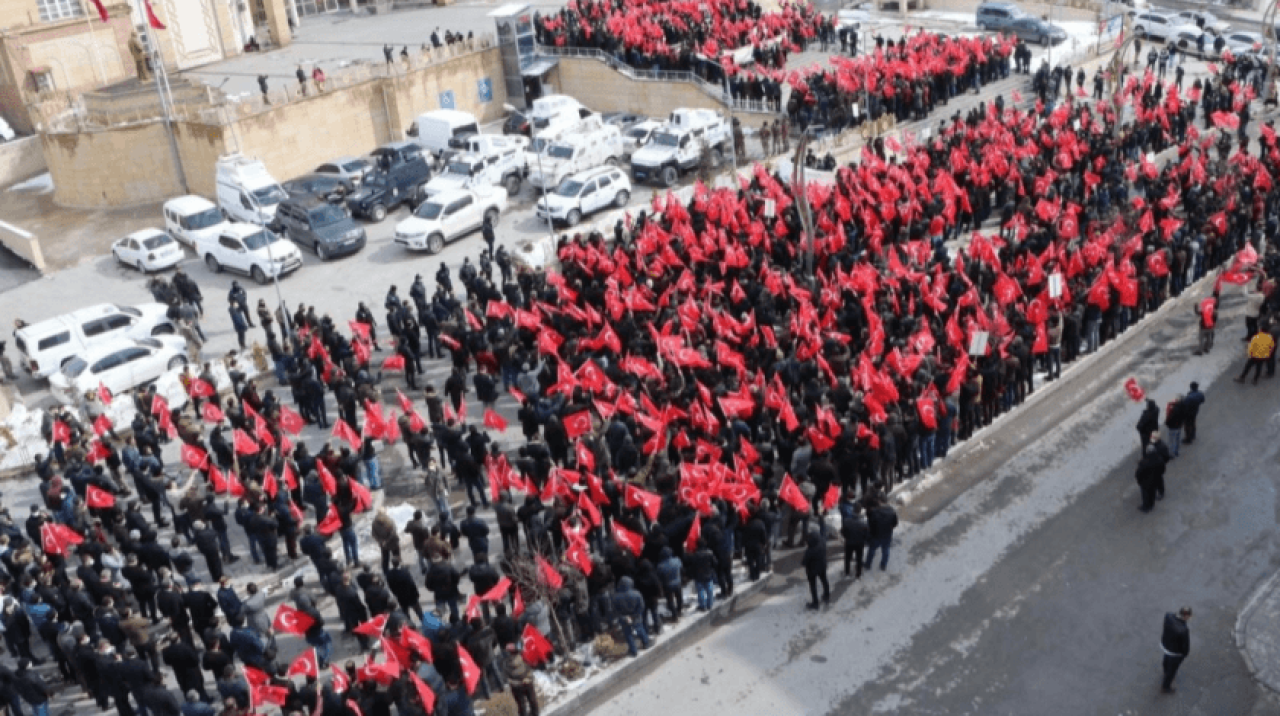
(586, 193)
(1161, 27)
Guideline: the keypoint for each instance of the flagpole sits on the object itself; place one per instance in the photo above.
(166, 98)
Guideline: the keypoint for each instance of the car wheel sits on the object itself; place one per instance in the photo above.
(322, 253)
(511, 184)
(212, 263)
(573, 218)
(258, 275)
(669, 176)
(491, 215)
(435, 243)
(177, 362)
(378, 213)
(621, 199)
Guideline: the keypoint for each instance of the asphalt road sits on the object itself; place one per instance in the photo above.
(1040, 588)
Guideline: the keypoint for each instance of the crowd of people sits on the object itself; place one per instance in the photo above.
(701, 387)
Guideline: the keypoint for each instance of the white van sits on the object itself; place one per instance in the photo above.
(433, 130)
(555, 109)
(192, 219)
(577, 153)
(46, 345)
(246, 190)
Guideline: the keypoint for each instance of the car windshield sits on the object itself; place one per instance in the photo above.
(429, 210)
(569, 187)
(560, 151)
(464, 168)
(539, 145)
(326, 215)
(666, 139)
(157, 241)
(205, 219)
(259, 239)
(270, 195)
(376, 181)
(355, 167)
(637, 132)
(74, 367)
(129, 311)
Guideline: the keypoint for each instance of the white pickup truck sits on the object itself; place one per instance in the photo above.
(448, 215)
(251, 250)
(577, 153)
(503, 168)
(677, 147)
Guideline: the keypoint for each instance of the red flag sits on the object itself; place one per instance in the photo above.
(102, 425)
(159, 405)
(200, 389)
(517, 604)
(56, 537)
(98, 498)
(517, 394)
(394, 650)
(373, 627)
(344, 432)
(589, 507)
(102, 11)
(425, 694)
(151, 17)
(244, 444)
(290, 420)
(364, 500)
(628, 539)
(216, 479)
(268, 694)
(412, 640)
(305, 665)
(473, 608)
(211, 413)
(830, 499)
(791, 494)
(535, 648)
(549, 573)
(103, 394)
(331, 522)
(493, 420)
(61, 432)
(498, 591)
(97, 451)
(340, 680)
(194, 457)
(646, 501)
(577, 424)
(695, 532)
(327, 480)
(1134, 390)
(393, 362)
(470, 672)
(235, 488)
(577, 555)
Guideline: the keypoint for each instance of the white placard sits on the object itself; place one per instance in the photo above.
(1055, 285)
(978, 345)
(770, 208)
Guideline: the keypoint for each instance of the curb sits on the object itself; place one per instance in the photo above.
(581, 700)
(1241, 629)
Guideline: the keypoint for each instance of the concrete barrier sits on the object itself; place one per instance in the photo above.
(20, 160)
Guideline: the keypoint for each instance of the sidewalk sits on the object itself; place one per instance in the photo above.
(1258, 634)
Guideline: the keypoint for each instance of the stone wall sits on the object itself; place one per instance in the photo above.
(122, 166)
(20, 160)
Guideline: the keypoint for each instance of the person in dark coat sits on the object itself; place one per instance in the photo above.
(1176, 644)
(1192, 401)
(1150, 477)
(158, 700)
(881, 521)
(400, 582)
(815, 567)
(185, 662)
(854, 530)
(1148, 423)
(30, 687)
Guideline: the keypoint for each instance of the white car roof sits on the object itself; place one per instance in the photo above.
(59, 323)
(449, 195)
(98, 350)
(590, 174)
(189, 204)
(241, 229)
(144, 234)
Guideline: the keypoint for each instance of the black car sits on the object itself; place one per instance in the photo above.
(328, 187)
(324, 228)
(517, 123)
(385, 189)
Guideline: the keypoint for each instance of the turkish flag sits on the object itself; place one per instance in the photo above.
(473, 609)
(269, 484)
(517, 604)
(200, 389)
(628, 539)
(589, 507)
(235, 488)
(268, 694)
(55, 538)
(103, 394)
(341, 682)
(517, 394)
(791, 494)
(290, 420)
(535, 648)
(498, 591)
(425, 694)
(263, 433)
(102, 425)
(346, 433)
(394, 650)
(470, 672)
(152, 20)
(211, 413)
(159, 405)
(493, 420)
(417, 643)
(327, 480)
(331, 522)
(244, 444)
(98, 498)
(695, 533)
(216, 479)
(364, 501)
(646, 501)
(830, 499)
(290, 480)
(577, 424)
(102, 11)
(61, 432)
(97, 451)
(194, 457)
(373, 627)
(393, 362)
(1134, 390)
(548, 573)
(450, 342)
(305, 665)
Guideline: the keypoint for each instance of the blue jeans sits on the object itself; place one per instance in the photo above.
(374, 472)
(706, 594)
(43, 709)
(478, 486)
(878, 543)
(1091, 335)
(254, 554)
(322, 644)
(1175, 440)
(350, 544)
(1055, 362)
(451, 603)
(926, 450)
(630, 632)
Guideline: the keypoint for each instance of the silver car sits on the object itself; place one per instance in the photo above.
(998, 16)
(1035, 30)
(350, 169)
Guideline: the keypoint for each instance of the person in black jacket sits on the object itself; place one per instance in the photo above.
(881, 520)
(400, 582)
(854, 530)
(31, 688)
(1176, 644)
(1148, 423)
(1150, 477)
(185, 662)
(815, 566)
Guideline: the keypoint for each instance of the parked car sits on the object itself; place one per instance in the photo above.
(1205, 21)
(638, 136)
(251, 250)
(324, 228)
(1241, 42)
(1157, 26)
(120, 365)
(148, 250)
(623, 120)
(1035, 30)
(1188, 42)
(46, 345)
(997, 16)
(351, 169)
(586, 193)
(517, 123)
(448, 215)
(328, 187)
(192, 219)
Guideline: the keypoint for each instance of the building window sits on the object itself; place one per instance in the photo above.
(42, 78)
(51, 10)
